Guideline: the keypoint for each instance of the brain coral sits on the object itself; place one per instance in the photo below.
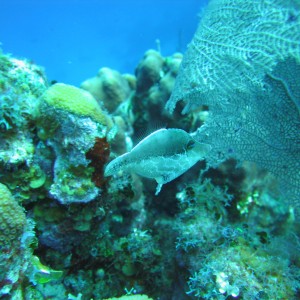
(74, 100)
(12, 217)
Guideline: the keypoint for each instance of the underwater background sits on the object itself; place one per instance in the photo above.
(71, 39)
(150, 150)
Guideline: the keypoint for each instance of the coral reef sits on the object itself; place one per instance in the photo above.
(220, 230)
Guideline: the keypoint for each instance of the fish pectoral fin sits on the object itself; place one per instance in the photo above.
(161, 180)
(158, 188)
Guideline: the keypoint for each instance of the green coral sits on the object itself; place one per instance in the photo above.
(12, 218)
(74, 100)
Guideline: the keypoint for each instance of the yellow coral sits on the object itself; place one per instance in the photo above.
(12, 217)
(74, 100)
(108, 86)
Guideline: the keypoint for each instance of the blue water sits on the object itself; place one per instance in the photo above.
(72, 39)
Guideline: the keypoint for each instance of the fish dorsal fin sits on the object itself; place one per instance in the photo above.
(142, 133)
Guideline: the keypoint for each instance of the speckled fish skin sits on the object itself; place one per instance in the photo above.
(163, 155)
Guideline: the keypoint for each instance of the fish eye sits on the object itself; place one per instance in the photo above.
(190, 144)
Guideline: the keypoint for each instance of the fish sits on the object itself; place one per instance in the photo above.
(163, 155)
